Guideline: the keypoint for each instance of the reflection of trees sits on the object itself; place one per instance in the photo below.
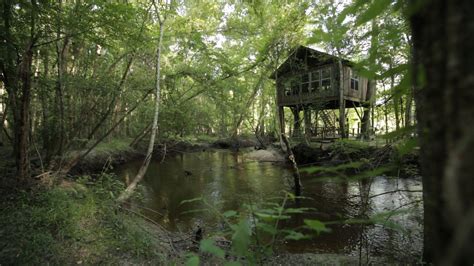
(332, 202)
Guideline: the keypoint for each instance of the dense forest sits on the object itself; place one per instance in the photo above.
(169, 132)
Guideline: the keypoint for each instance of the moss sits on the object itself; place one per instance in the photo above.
(74, 223)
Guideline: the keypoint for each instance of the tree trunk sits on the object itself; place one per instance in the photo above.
(408, 108)
(342, 102)
(296, 121)
(307, 122)
(443, 34)
(365, 121)
(22, 123)
(16, 76)
(141, 173)
(395, 100)
(258, 87)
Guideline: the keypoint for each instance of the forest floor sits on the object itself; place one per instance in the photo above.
(76, 220)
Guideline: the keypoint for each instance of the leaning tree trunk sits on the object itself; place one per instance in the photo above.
(443, 34)
(141, 173)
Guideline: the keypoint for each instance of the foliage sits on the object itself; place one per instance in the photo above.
(73, 223)
(254, 232)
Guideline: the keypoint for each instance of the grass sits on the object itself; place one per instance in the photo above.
(74, 223)
(113, 146)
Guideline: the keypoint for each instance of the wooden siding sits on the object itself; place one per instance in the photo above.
(309, 97)
(320, 95)
(351, 94)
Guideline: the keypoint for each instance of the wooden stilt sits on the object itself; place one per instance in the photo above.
(296, 121)
(342, 117)
(307, 122)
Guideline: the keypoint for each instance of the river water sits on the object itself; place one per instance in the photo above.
(228, 181)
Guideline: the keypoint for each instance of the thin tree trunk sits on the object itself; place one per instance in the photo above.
(141, 173)
(408, 108)
(395, 100)
(249, 102)
(296, 171)
(365, 121)
(59, 134)
(23, 123)
(68, 166)
(342, 111)
(142, 134)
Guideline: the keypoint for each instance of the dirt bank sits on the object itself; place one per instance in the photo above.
(364, 156)
(269, 155)
(234, 143)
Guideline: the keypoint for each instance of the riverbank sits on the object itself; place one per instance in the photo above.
(77, 221)
(117, 152)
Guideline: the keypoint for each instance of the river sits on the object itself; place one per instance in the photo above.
(228, 181)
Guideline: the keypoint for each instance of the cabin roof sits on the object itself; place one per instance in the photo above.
(307, 56)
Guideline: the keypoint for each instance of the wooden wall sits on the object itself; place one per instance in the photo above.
(321, 95)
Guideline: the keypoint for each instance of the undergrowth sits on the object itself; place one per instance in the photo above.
(73, 223)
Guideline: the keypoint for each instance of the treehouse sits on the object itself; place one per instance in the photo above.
(323, 84)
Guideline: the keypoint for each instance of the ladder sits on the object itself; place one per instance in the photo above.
(328, 118)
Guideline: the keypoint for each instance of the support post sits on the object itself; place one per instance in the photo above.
(316, 124)
(296, 121)
(307, 122)
(342, 116)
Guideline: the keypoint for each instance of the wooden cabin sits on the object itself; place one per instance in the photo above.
(310, 81)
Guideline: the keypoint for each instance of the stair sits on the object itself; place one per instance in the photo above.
(329, 129)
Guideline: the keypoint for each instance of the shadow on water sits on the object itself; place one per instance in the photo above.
(226, 180)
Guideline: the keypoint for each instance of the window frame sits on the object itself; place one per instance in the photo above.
(355, 81)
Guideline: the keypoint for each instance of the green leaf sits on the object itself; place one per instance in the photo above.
(292, 235)
(398, 70)
(374, 9)
(192, 260)
(269, 217)
(267, 228)
(297, 210)
(316, 225)
(407, 146)
(230, 213)
(241, 237)
(207, 245)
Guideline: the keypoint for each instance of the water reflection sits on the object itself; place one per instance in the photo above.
(228, 181)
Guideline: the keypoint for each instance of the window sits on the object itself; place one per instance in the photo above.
(354, 81)
(315, 81)
(287, 88)
(295, 87)
(305, 78)
(326, 79)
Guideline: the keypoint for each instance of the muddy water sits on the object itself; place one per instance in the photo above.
(227, 181)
